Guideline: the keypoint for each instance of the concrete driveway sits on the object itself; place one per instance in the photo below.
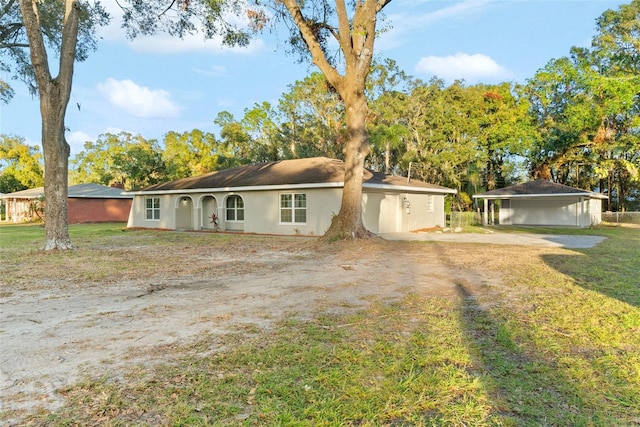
(497, 238)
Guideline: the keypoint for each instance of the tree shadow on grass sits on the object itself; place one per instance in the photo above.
(611, 268)
(524, 385)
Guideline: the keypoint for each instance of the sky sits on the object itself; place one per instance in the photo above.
(155, 85)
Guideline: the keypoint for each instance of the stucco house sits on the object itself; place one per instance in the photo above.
(85, 203)
(286, 197)
(543, 202)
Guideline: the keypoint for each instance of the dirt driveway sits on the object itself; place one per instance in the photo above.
(66, 315)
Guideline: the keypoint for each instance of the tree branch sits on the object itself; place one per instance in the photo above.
(167, 9)
(317, 54)
(10, 30)
(69, 43)
(39, 61)
(381, 4)
(343, 26)
(13, 45)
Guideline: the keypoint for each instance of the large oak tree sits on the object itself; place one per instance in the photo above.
(54, 92)
(338, 37)
(352, 26)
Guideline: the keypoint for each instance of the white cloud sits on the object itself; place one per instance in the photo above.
(471, 68)
(404, 24)
(164, 43)
(77, 139)
(457, 10)
(213, 71)
(139, 101)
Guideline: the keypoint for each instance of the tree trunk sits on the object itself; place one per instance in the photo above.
(56, 161)
(348, 223)
(54, 96)
(355, 38)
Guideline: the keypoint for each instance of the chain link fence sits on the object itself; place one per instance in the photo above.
(621, 217)
(462, 219)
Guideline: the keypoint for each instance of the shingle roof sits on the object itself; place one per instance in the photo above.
(317, 170)
(539, 187)
(79, 191)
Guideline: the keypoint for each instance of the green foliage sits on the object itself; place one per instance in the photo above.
(131, 160)
(576, 121)
(191, 153)
(312, 118)
(14, 45)
(587, 107)
(618, 39)
(388, 131)
(20, 165)
(468, 137)
(235, 138)
(211, 18)
(260, 124)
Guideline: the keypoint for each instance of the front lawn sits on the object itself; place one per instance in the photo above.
(554, 339)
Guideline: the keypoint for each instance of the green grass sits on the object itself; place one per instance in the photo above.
(31, 236)
(559, 346)
(16, 240)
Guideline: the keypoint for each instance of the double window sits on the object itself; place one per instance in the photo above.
(152, 208)
(235, 208)
(293, 208)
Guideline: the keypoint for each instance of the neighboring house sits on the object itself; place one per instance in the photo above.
(543, 202)
(285, 197)
(85, 203)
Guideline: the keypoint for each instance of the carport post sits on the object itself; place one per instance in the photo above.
(485, 213)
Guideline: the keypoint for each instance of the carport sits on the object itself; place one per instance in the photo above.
(544, 203)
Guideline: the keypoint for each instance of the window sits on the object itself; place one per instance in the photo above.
(152, 207)
(293, 208)
(430, 203)
(235, 208)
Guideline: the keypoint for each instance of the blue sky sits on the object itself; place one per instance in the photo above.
(155, 85)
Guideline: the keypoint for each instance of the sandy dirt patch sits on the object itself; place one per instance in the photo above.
(66, 318)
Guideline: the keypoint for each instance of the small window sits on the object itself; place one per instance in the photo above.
(235, 208)
(430, 203)
(293, 208)
(152, 207)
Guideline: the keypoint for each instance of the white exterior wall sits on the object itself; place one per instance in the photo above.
(595, 211)
(553, 211)
(137, 215)
(401, 212)
(262, 211)
(421, 211)
(383, 211)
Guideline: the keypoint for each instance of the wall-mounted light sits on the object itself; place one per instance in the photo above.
(406, 203)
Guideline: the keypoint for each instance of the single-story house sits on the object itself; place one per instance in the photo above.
(286, 197)
(85, 203)
(542, 202)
